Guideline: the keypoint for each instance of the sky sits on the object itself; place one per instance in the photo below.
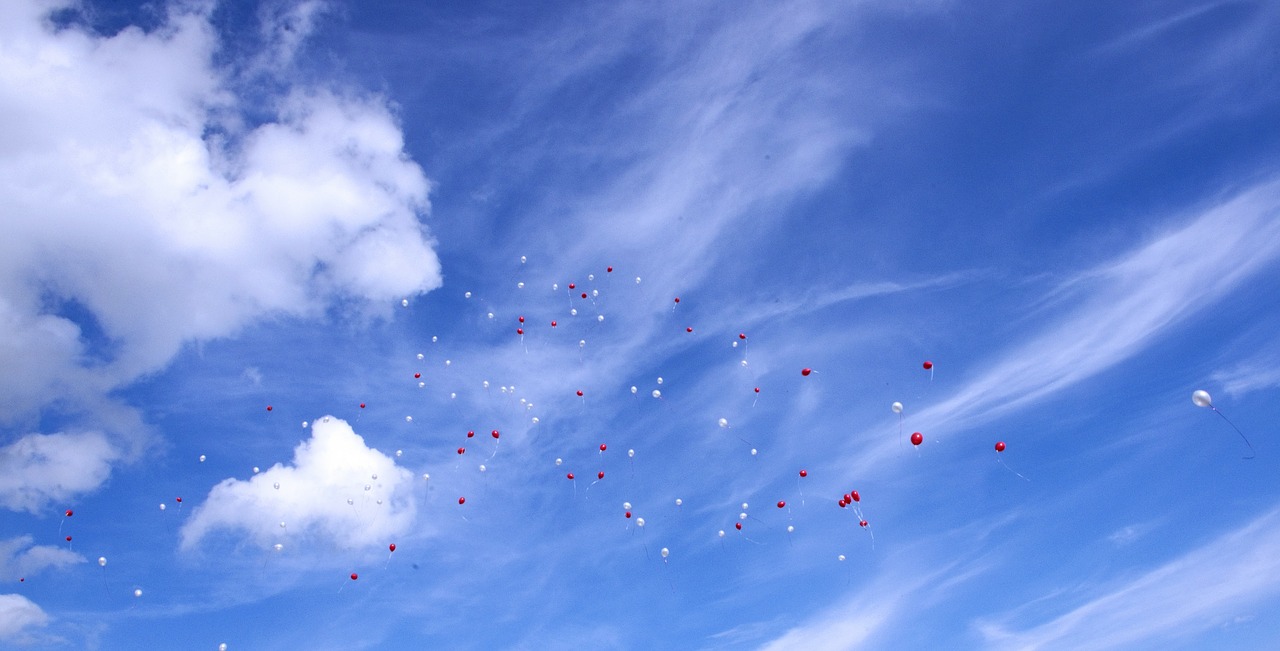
(479, 325)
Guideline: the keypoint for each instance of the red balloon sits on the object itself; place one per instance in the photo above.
(927, 365)
(863, 524)
(688, 329)
(462, 500)
(999, 448)
(354, 576)
(628, 514)
(584, 294)
(569, 476)
(391, 547)
(804, 473)
(471, 433)
(609, 269)
(362, 405)
(494, 434)
(600, 475)
(781, 504)
(519, 331)
(178, 499)
(417, 375)
(553, 324)
(757, 389)
(579, 393)
(68, 538)
(742, 335)
(70, 513)
(461, 450)
(268, 407)
(738, 526)
(806, 371)
(855, 496)
(521, 319)
(843, 504)
(917, 438)
(677, 299)
(603, 447)
(571, 285)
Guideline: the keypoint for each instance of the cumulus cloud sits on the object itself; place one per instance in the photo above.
(19, 559)
(41, 468)
(336, 489)
(145, 209)
(17, 614)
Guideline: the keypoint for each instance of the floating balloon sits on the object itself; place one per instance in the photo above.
(137, 592)
(806, 371)
(1201, 398)
(896, 407)
(391, 547)
(102, 561)
(917, 438)
(999, 446)
(781, 504)
(462, 500)
(354, 576)
(665, 552)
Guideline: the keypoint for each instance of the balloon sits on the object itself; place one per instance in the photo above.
(519, 331)
(609, 269)
(579, 393)
(68, 538)
(640, 522)
(791, 529)
(896, 407)
(804, 473)
(162, 506)
(354, 576)
(495, 434)
(927, 365)
(202, 458)
(742, 335)
(277, 547)
(724, 422)
(572, 286)
(679, 501)
(391, 547)
(917, 438)
(720, 533)
(603, 447)
(462, 500)
(1201, 398)
(600, 475)
(855, 496)
(626, 505)
(688, 329)
(137, 592)
(462, 450)
(178, 500)
(362, 405)
(657, 393)
(999, 446)
(665, 552)
(569, 476)
(521, 319)
(70, 513)
(268, 407)
(677, 299)
(627, 515)
(781, 504)
(553, 324)
(863, 524)
(102, 561)
(738, 526)
(471, 433)
(806, 371)
(840, 557)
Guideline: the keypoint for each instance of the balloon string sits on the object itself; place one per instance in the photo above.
(1252, 453)
(1006, 467)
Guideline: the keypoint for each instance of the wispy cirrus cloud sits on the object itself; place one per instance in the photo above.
(1219, 581)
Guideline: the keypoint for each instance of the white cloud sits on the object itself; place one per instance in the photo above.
(334, 466)
(21, 560)
(17, 613)
(1130, 301)
(38, 469)
(1185, 596)
(143, 213)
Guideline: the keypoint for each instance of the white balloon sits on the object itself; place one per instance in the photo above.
(276, 485)
(137, 592)
(486, 384)
(743, 363)
(657, 393)
(202, 458)
(305, 424)
(255, 470)
(467, 295)
(350, 502)
(448, 362)
(520, 285)
(626, 506)
(573, 312)
(724, 422)
(639, 522)
(679, 501)
(523, 259)
(535, 420)
(482, 469)
(840, 557)
(426, 476)
(634, 389)
(600, 318)
(659, 380)
(102, 561)
(896, 407)
(404, 302)
(277, 547)
(665, 552)
(631, 453)
(434, 339)
(591, 276)
(744, 506)
(637, 280)
(595, 293)
(559, 461)
(399, 453)
(790, 529)
(162, 506)
(555, 286)
(222, 647)
(754, 452)
(368, 488)
(408, 419)
(721, 533)
(582, 343)
(419, 357)
(374, 476)
(1202, 399)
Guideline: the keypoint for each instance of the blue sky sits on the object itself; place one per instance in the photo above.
(271, 259)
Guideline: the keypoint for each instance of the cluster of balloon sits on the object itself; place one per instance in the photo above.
(854, 500)
(1201, 398)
